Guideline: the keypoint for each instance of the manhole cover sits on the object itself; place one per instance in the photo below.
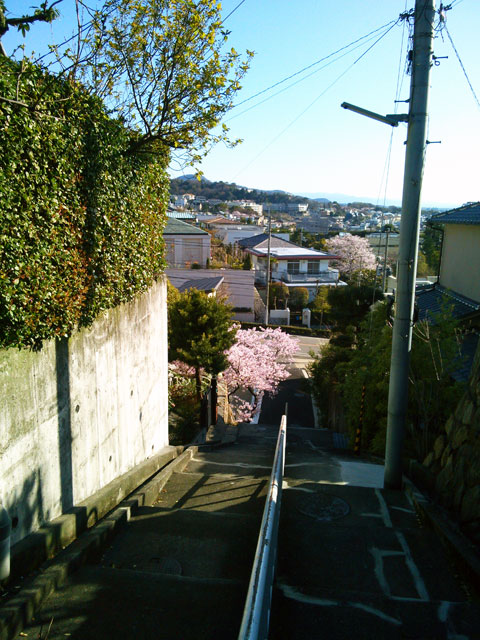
(324, 507)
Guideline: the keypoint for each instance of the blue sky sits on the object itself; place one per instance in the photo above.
(301, 140)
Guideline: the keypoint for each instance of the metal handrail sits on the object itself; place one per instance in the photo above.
(256, 614)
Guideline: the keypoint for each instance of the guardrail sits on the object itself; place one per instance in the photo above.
(256, 614)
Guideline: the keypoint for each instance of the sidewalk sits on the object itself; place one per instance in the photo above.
(355, 560)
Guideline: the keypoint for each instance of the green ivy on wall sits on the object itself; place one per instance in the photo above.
(81, 217)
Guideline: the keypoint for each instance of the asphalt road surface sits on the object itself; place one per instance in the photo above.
(294, 390)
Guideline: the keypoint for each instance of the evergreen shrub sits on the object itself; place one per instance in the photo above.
(81, 216)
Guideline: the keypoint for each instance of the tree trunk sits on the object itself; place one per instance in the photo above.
(198, 383)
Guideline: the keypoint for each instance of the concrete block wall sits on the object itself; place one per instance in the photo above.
(82, 411)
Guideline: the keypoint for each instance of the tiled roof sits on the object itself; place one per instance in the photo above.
(177, 227)
(202, 284)
(180, 215)
(466, 214)
(429, 299)
(293, 252)
(255, 241)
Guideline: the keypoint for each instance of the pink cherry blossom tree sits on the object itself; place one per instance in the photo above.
(354, 253)
(257, 363)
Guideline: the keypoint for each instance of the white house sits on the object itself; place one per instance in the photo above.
(295, 266)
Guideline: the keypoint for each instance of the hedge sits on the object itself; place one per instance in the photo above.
(81, 217)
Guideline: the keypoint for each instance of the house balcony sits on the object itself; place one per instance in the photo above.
(323, 277)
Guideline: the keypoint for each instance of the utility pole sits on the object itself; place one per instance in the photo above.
(268, 265)
(409, 235)
(384, 276)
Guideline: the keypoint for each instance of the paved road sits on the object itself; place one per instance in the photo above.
(294, 390)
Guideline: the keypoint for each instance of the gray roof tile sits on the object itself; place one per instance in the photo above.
(466, 214)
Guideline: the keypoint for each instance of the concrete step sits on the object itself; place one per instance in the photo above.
(184, 542)
(121, 604)
(225, 493)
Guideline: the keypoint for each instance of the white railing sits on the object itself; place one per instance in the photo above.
(256, 615)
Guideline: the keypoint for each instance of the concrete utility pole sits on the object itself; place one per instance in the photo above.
(408, 248)
(384, 275)
(268, 265)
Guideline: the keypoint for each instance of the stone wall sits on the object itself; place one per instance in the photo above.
(455, 459)
(83, 411)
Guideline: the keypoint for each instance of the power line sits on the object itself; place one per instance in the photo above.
(313, 64)
(232, 11)
(274, 95)
(461, 64)
(317, 98)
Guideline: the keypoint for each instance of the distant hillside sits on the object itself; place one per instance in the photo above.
(231, 191)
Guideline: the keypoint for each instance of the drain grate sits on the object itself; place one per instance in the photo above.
(324, 507)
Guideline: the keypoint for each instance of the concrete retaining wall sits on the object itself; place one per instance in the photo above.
(82, 411)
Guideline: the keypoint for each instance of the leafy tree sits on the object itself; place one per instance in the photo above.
(431, 247)
(350, 304)
(45, 12)
(257, 363)
(360, 366)
(422, 267)
(299, 297)
(247, 263)
(200, 330)
(162, 67)
(354, 253)
(278, 294)
(320, 304)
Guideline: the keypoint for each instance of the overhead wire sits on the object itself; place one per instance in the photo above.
(290, 86)
(462, 65)
(313, 64)
(392, 25)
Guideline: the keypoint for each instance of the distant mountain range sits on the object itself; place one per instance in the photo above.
(232, 191)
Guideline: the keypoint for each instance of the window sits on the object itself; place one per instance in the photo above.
(313, 266)
(293, 266)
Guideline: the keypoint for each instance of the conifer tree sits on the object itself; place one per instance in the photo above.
(200, 331)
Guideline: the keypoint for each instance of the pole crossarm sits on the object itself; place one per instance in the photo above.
(391, 118)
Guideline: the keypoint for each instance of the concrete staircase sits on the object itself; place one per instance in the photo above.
(179, 569)
(354, 560)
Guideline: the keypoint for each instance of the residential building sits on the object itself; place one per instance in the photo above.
(211, 285)
(261, 240)
(185, 244)
(295, 266)
(233, 234)
(237, 286)
(315, 224)
(458, 283)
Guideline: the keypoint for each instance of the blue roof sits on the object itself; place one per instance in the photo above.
(177, 228)
(466, 214)
(430, 299)
(180, 215)
(254, 241)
